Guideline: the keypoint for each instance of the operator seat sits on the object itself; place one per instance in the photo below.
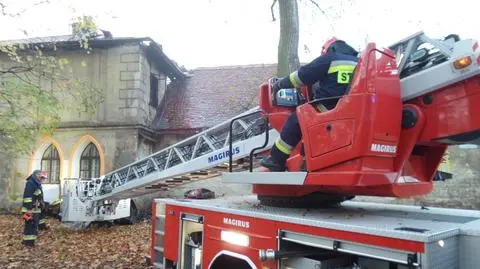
(359, 146)
(363, 120)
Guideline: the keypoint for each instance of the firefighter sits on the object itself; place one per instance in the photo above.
(32, 206)
(329, 75)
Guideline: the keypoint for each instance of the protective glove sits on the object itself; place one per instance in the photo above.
(27, 216)
(276, 86)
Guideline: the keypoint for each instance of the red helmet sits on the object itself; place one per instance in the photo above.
(327, 45)
(43, 174)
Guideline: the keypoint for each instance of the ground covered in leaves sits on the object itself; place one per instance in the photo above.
(96, 247)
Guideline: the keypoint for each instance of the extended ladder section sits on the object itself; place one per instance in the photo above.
(201, 151)
(426, 65)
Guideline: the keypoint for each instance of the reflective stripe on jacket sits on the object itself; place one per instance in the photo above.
(32, 196)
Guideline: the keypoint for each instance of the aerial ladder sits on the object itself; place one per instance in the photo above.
(109, 196)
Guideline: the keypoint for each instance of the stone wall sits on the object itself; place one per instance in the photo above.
(145, 148)
(149, 69)
(463, 190)
(132, 90)
(146, 71)
(126, 146)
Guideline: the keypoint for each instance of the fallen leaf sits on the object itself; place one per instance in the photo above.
(98, 247)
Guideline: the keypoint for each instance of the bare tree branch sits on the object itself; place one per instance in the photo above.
(36, 4)
(323, 12)
(4, 12)
(2, 9)
(316, 4)
(9, 102)
(16, 69)
(26, 80)
(271, 9)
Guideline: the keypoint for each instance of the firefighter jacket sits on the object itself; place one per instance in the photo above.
(32, 196)
(331, 73)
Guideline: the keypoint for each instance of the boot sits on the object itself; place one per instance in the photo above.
(276, 161)
(270, 163)
(30, 244)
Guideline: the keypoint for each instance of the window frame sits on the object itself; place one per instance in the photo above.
(154, 87)
(54, 156)
(90, 157)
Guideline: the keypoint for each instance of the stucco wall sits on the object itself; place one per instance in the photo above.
(123, 75)
(168, 140)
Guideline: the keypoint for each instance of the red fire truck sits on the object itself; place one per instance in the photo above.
(386, 137)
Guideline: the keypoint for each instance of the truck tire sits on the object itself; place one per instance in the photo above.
(313, 200)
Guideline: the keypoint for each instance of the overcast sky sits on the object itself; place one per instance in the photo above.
(199, 33)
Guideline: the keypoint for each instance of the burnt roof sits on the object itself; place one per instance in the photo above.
(72, 42)
(210, 96)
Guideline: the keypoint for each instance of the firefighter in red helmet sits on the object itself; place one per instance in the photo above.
(32, 206)
(329, 75)
(328, 44)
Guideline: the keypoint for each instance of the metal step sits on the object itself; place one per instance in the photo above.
(202, 151)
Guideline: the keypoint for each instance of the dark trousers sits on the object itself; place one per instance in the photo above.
(42, 220)
(30, 230)
(290, 136)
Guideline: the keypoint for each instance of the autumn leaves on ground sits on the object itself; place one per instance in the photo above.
(97, 247)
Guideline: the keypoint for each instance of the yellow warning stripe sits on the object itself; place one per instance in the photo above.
(29, 237)
(283, 146)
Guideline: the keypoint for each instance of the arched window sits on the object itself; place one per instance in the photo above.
(51, 164)
(90, 162)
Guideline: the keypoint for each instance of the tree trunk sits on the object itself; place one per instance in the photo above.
(6, 181)
(289, 35)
